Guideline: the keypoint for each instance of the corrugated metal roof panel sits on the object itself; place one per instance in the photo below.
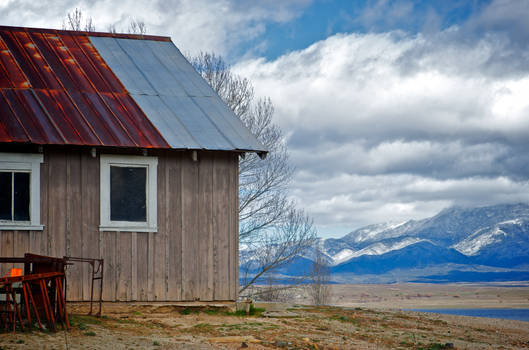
(189, 99)
(196, 123)
(156, 74)
(164, 119)
(122, 65)
(56, 89)
(98, 89)
(182, 71)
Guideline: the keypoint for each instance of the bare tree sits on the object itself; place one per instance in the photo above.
(278, 246)
(112, 28)
(269, 223)
(320, 276)
(75, 18)
(89, 25)
(137, 27)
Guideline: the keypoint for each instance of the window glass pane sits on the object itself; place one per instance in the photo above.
(21, 197)
(5, 196)
(128, 194)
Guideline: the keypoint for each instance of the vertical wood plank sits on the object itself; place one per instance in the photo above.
(221, 215)
(123, 271)
(215, 224)
(190, 228)
(142, 265)
(234, 226)
(205, 234)
(159, 260)
(36, 237)
(108, 245)
(90, 212)
(124, 281)
(168, 217)
(74, 231)
(134, 265)
(20, 245)
(6, 249)
(150, 266)
(174, 215)
(57, 205)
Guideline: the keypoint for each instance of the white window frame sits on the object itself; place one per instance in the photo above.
(151, 164)
(25, 162)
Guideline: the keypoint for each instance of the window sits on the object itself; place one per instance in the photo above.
(20, 191)
(128, 193)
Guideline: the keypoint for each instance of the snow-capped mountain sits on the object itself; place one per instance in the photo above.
(458, 244)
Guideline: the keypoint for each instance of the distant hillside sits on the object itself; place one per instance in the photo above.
(458, 244)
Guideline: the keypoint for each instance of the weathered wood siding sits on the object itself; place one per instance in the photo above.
(194, 254)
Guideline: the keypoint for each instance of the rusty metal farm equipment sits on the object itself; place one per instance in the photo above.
(39, 291)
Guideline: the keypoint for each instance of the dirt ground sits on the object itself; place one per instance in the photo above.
(282, 326)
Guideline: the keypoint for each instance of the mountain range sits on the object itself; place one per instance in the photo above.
(457, 245)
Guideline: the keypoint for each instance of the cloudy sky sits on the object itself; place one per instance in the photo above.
(393, 110)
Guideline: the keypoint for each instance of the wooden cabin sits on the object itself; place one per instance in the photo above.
(112, 146)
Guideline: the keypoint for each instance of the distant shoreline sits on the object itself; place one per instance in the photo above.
(507, 295)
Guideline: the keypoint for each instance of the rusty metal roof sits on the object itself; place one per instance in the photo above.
(102, 89)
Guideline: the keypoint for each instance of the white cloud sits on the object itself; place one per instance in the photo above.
(194, 25)
(391, 126)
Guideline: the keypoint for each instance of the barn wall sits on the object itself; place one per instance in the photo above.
(194, 254)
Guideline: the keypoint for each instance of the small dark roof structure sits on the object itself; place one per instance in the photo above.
(104, 89)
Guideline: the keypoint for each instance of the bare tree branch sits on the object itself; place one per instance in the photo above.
(75, 18)
(137, 27)
(320, 275)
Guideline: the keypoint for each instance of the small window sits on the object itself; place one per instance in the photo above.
(20, 191)
(14, 196)
(128, 193)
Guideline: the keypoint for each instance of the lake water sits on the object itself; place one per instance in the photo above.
(509, 314)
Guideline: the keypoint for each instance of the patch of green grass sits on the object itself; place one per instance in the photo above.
(155, 343)
(90, 334)
(85, 319)
(185, 311)
(20, 341)
(254, 311)
(343, 318)
(137, 313)
(235, 313)
(211, 311)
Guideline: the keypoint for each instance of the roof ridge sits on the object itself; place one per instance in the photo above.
(75, 32)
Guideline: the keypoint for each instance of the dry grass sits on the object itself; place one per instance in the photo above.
(165, 327)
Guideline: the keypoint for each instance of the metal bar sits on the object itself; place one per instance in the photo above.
(28, 311)
(96, 269)
(101, 262)
(92, 287)
(62, 301)
(17, 309)
(47, 305)
(34, 306)
(8, 305)
(59, 316)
